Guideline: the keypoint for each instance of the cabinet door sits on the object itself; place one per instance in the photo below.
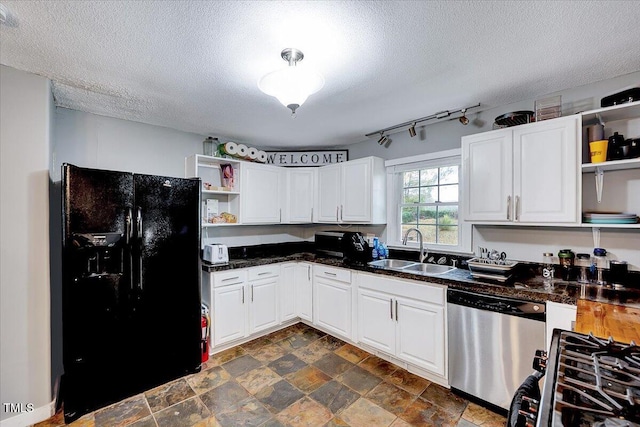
(301, 194)
(561, 316)
(420, 335)
(304, 292)
(355, 204)
(487, 167)
(229, 313)
(261, 194)
(332, 306)
(329, 193)
(263, 304)
(288, 291)
(376, 324)
(546, 171)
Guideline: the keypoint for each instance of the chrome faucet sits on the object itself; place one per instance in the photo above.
(423, 252)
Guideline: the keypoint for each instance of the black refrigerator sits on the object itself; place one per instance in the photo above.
(131, 284)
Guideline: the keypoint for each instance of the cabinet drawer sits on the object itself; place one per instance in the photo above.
(339, 274)
(422, 291)
(263, 272)
(226, 278)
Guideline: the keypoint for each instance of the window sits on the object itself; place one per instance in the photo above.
(425, 193)
(430, 203)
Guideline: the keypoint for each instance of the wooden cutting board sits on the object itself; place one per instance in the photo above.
(608, 320)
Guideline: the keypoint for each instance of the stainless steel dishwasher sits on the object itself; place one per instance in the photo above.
(492, 341)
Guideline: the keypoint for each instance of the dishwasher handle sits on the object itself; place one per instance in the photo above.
(508, 306)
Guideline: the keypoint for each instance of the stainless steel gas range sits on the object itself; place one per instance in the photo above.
(589, 382)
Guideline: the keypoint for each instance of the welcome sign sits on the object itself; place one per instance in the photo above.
(306, 158)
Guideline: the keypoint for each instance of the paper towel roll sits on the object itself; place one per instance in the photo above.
(231, 148)
(262, 156)
(243, 150)
(253, 153)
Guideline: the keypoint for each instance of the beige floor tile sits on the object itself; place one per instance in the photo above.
(364, 413)
(480, 416)
(352, 353)
(305, 413)
(255, 380)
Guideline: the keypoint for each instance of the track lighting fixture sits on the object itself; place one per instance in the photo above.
(412, 124)
(463, 119)
(412, 130)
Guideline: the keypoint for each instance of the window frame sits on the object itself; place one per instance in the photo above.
(395, 188)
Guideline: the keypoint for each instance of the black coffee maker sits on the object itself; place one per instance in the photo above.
(355, 248)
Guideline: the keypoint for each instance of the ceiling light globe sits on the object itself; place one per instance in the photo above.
(291, 85)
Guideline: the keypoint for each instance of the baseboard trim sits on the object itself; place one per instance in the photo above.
(29, 418)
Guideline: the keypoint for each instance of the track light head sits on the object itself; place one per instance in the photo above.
(463, 119)
(412, 130)
(383, 139)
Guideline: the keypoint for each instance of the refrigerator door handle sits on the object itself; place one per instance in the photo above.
(129, 229)
(139, 235)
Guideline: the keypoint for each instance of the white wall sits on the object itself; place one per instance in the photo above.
(445, 135)
(528, 243)
(25, 368)
(100, 142)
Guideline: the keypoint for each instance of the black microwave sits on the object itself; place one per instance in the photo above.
(329, 243)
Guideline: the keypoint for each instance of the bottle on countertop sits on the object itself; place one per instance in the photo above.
(548, 269)
(600, 263)
(584, 262)
(566, 257)
(374, 251)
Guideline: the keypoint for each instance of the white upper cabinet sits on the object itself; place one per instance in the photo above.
(545, 178)
(487, 162)
(526, 174)
(353, 192)
(329, 185)
(300, 195)
(262, 193)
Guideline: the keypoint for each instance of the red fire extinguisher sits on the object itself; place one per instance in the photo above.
(204, 323)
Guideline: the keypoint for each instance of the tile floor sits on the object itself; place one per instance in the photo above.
(297, 376)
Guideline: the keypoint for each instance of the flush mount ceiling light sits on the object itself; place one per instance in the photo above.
(291, 85)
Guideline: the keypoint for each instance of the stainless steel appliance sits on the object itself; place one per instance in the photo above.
(330, 243)
(131, 284)
(589, 382)
(216, 254)
(491, 342)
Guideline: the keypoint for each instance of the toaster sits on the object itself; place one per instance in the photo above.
(216, 254)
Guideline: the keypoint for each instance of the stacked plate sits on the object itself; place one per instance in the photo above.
(610, 218)
(498, 270)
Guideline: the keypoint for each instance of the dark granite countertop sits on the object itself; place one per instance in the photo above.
(530, 288)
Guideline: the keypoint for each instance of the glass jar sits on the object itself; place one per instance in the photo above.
(548, 269)
(566, 257)
(600, 263)
(210, 146)
(584, 262)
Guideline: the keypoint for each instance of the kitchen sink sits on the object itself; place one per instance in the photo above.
(422, 268)
(391, 264)
(411, 267)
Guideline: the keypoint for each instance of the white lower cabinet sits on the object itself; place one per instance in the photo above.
(420, 334)
(288, 291)
(560, 316)
(229, 306)
(404, 319)
(332, 300)
(304, 291)
(263, 297)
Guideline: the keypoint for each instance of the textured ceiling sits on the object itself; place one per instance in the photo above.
(194, 65)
